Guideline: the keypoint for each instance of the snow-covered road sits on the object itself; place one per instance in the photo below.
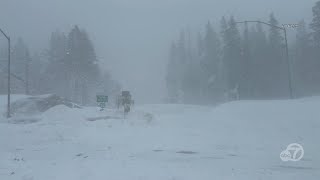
(239, 140)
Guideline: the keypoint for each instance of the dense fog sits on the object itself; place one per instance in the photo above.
(132, 39)
(159, 89)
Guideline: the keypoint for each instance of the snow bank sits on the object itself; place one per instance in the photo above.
(234, 141)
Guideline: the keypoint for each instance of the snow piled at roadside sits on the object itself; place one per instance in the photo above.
(238, 140)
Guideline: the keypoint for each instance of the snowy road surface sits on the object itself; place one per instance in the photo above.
(235, 141)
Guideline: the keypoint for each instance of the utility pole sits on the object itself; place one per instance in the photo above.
(9, 69)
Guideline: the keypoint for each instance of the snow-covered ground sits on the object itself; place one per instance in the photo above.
(239, 140)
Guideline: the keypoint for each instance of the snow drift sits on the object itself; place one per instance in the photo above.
(237, 140)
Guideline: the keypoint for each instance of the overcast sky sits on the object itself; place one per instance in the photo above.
(132, 37)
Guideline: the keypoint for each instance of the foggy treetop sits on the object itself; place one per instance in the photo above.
(131, 37)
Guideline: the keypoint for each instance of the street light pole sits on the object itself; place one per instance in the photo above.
(9, 72)
(288, 64)
(287, 51)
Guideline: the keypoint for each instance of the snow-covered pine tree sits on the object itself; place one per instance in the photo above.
(82, 65)
(56, 73)
(277, 81)
(231, 57)
(315, 24)
(210, 63)
(20, 62)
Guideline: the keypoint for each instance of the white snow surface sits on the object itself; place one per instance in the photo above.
(234, 141)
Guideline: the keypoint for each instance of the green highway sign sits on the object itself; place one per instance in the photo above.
(102, 98)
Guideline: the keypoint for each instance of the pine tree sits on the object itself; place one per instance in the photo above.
(20, 63)
(224, 62)
(245, 90)
(182, 59)
(259, 63)
(304, 67)
(172, 78)
(200, 45)
(277, 83)
(315, 25)
(36, 73)
(231, 58)
(82, 65)
(210, 63)
(57, 68)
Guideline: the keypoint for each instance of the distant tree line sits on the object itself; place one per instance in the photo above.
(68, 67)
(244, 64)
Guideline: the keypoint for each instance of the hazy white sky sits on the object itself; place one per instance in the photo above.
(132, 36)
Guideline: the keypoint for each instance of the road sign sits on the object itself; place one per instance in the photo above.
(102, 98)
(102, 105)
